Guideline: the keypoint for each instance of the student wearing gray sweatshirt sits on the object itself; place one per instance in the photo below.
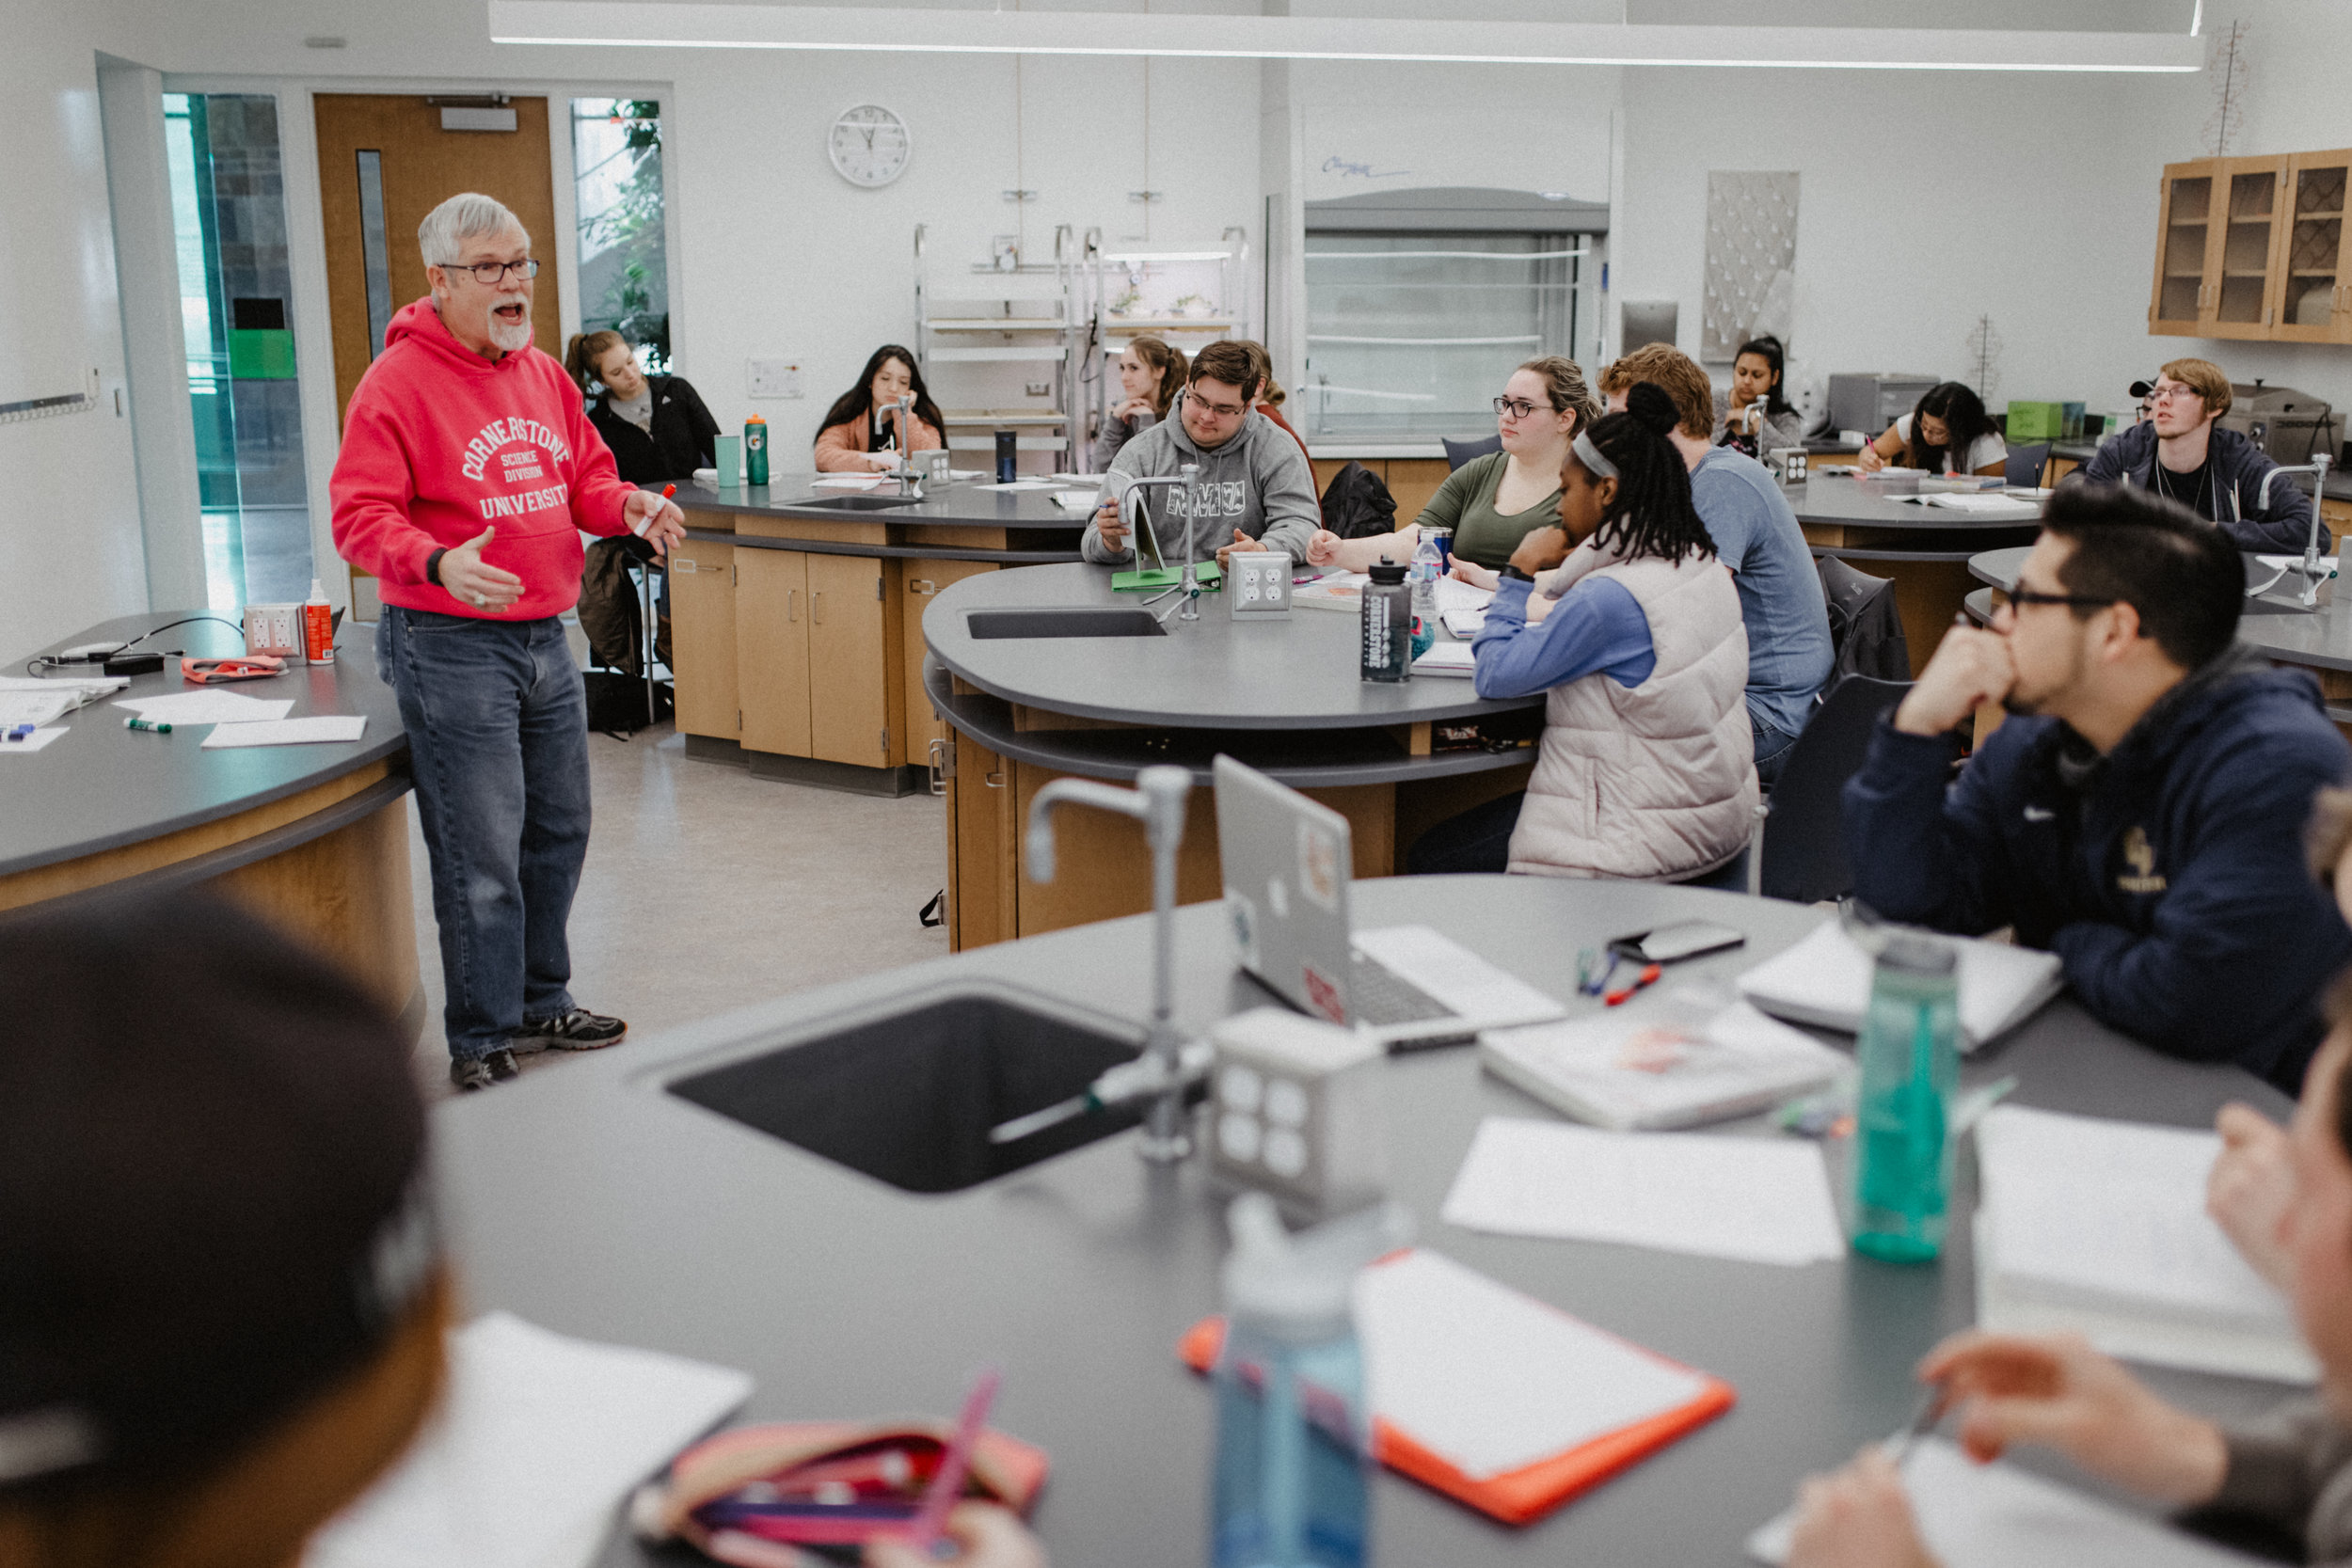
(1254, 491)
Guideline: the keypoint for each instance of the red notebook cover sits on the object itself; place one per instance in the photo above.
(1527, 1494)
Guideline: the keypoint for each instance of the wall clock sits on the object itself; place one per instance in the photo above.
(869, 145)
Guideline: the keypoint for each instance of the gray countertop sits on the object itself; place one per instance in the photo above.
(965, 505)
(1837, 498)
(99, 786)
(2321, 638)
(590, 1201)
(1294, 671)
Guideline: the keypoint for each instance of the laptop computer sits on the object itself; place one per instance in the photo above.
(1286, 861)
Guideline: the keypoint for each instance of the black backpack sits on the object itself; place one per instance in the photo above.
(1357, 504)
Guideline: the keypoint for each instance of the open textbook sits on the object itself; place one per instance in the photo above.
(1825, 980)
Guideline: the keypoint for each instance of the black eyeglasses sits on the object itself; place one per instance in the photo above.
(2076, 601)
(490, 274)
(1518, 408)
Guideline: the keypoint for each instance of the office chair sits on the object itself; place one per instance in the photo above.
(1459, 453)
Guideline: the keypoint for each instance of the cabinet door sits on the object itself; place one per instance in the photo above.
(2315, 293)
(2248, 287)
(772, 624)
(2185, 236)
(702, 639)
(923, 582)
(849, 699)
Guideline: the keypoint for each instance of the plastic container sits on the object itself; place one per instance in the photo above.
(1008, 456)
(1387, 626)
(1429, 564)
(755, 451)
(318, 627)
(1899, 1169)
(1292, 1431)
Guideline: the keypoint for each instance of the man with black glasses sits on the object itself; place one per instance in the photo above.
(2178, 452)
(2141, 812)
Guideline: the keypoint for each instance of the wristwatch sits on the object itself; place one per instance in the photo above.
(1513, 573)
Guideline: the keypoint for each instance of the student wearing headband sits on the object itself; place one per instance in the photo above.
(1646, 769)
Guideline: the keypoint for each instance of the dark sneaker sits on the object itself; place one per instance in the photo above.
(578, 1030)
(480, 1072)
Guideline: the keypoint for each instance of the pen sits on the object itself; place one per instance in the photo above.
(135, 722)
(1923, 1419)
(1648, 977)
(948, 1480)
(652, 511)
(19, 732)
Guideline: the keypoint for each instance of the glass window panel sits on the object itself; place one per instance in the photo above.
(624, 257)
(376, 256)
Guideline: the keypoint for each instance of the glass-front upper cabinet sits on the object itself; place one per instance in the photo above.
(2244, 288)
(2185, 236)
(2316, 294)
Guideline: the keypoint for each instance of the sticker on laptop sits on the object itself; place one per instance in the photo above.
(1319, 869)
(1322, 996)
(1241, 917)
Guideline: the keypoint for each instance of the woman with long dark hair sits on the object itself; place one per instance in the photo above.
(1947, 432)
(861, 433)
(1755, 415)
(1151, 374)
(1646, 768)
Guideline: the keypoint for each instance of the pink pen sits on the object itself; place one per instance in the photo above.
(948, 1480)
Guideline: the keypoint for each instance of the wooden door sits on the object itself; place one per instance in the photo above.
(414, 165)
(2186, 238)
(702, 639)
(771, 623)
(2247, 286)
(921, 582)
(848, 661)
(2316, 291)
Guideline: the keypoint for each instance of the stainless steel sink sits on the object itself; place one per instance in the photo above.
(906, 1092)
(1064, 620)
(859, 503)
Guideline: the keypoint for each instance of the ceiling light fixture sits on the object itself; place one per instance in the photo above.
(612, 23)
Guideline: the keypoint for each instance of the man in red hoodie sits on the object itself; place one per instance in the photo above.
(467, 470)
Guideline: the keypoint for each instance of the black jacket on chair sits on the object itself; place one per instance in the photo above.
(683, 434)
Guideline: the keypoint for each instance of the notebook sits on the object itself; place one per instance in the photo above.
(1825, 980)
(1447, 658)
(1497, 1400)
(2100, 1227)
(1332, 591)
(2000, 1516)
(1651, 1067)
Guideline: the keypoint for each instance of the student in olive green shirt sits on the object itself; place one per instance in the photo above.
(1491, 503)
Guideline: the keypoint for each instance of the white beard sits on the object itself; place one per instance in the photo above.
(511, 339)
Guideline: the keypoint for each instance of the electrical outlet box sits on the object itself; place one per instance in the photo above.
(1037, 389)
(1296, 1110)
(275, 630)
(775, 378)
(1258, 582)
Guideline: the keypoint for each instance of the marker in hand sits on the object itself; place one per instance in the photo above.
(645, 522)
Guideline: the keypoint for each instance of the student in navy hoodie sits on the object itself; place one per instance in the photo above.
(2142, 813)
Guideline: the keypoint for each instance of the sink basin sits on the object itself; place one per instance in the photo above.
(859, 503)
(906, 1093)
(1066, 621)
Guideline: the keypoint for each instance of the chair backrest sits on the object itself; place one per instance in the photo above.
(1865, 629)
(1459, 453)
(2026, 464)
(1805, 845)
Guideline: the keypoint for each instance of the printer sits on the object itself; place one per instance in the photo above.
(1869, 403)
(2288, 426)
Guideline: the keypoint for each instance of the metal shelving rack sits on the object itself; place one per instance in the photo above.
(1154, 276)
(1030, 314)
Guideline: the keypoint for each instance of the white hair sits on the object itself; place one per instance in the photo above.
(449, 226)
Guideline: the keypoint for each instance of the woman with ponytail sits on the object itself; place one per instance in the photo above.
(1646, 768)
(656, 425)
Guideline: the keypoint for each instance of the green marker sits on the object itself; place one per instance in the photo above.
(135, 723)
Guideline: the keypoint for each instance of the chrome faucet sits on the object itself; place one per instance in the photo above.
(910, 482)
(1187, 608)
(2313, 578)
(1162, 1072)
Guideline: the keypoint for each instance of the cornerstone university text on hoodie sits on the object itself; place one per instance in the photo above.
(439, 444)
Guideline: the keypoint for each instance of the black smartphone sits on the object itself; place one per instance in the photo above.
(1690, 939)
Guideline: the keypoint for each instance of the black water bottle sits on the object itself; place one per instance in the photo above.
(1007, 457)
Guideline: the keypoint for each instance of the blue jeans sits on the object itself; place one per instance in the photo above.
(1772, 744)
(498, 739)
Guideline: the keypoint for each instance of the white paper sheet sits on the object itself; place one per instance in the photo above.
(1760, 1200)
(1493, 1380)
(289, 732)
(540, 1438)
(2000, 1516)
(1075, 500)
(844, 481)
(33, 741)
(1020, 485)
(1825, 980)
(36, 707)
(1453, 593)
(206, 706)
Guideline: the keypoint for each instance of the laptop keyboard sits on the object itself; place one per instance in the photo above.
(1376, 995)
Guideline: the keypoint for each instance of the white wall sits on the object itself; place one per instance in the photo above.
(71, 532)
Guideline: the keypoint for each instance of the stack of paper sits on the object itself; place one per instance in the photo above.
(2000, 1516)
(288, 732)
(1447, 658)
(207, 705)
(844, 481)
(1983, 504)
(1639, 1067)
(2101, 1226)
(1825, 980)
(28, 700)
(538, 1438)
(1332, 591)
(1761, 1200)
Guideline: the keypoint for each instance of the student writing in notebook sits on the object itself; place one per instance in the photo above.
(2289, 1476)
(2142, 811)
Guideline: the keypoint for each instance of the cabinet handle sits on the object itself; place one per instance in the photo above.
(792, 604)
(994, 781)
(816, 608)
(682, 564)
(943, 763)
(922, 585)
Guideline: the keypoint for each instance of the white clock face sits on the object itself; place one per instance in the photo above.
(869, 145)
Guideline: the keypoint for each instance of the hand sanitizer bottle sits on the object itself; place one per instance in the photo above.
(1900, 1166)
(318, 627)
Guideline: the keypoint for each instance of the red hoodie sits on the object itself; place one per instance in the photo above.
(439, 444)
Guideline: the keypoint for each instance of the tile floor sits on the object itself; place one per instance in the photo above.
(707, 889)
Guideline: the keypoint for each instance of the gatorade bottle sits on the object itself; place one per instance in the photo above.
(318, 627)
(755, 450)
(1900, 1165)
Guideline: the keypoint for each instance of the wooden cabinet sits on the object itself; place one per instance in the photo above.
(2249, 248)
(850, 655)
(920, 581)
(771, 611)
(702, 637)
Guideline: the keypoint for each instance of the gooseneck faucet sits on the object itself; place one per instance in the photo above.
(1162, 1071)
(910, 484)
(2313, 577)
(1187, 607)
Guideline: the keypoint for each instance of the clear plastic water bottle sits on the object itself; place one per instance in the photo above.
(1900, 1166)
(1293, 1432)
(1429, 564)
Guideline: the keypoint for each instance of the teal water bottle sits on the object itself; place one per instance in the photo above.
(1900, 1166)
(755, 450)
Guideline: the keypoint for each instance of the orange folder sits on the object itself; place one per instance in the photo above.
(1524, 1495)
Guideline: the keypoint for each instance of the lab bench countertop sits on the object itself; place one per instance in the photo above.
(2319, 639)
(955, 505)
(593, 1201)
